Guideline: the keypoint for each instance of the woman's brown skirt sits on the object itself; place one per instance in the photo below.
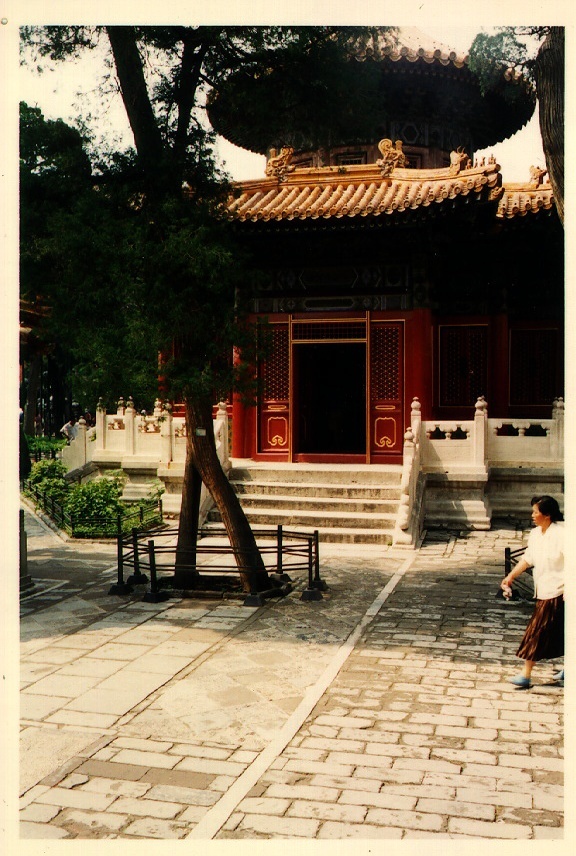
(544, 636)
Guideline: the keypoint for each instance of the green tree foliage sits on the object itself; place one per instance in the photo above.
(538, 53)
(138, 267)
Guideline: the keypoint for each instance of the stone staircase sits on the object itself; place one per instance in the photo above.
(353, 504)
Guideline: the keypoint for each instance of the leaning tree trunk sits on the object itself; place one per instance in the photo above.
(201, 449)
(550, 87)
(186, 573)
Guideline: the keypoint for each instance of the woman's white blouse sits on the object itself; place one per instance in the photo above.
(545, 552)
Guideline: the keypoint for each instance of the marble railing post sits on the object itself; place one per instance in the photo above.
(129, 428)
(81, 441)
(166, 435)
(221, 425)
(100, 426)
(416, 418)
(480, 429)
(557, 432)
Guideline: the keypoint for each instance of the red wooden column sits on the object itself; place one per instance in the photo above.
(419, 364)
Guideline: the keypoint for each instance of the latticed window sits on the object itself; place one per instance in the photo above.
(275, 369)
(329, 330)
(463, 364)
(533, 367)
(385, 344)
(351, 158)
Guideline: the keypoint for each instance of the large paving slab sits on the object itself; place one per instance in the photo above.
(381, 711)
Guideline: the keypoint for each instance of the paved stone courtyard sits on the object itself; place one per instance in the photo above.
(381, 711)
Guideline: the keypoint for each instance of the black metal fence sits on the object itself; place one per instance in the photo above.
(145, 515)
(143, 555)
(45, 455)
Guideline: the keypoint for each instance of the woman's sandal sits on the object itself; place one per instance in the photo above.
(521, 682)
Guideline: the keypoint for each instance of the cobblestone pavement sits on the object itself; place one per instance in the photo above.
(381, 711)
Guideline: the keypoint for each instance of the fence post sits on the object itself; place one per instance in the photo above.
(137, 578)
(26, 581)
(311, 592)
(154, 595)
(279, 549)
(318, 583)
(120, 587)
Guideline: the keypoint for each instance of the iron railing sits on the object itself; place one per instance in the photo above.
(146, 554)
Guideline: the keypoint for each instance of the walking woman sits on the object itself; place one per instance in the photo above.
(544, 636)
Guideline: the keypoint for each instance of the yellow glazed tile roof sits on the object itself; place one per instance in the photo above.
(362, 191)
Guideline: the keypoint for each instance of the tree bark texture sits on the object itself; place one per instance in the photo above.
(186, 574)
(550, 87)
(128, 62)
(201, 449)
(34, 373)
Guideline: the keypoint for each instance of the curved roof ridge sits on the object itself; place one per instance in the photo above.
(309, 193)
(410, 43)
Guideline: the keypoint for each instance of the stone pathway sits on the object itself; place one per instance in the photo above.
(381, 711)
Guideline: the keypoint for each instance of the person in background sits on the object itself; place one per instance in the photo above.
(70, 430)
(544, 635)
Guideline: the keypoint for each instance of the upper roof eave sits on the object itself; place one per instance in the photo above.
(361, 191)
(358, 191)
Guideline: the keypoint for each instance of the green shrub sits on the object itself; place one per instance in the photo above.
(91, 510)
(46, 470)
(99, 498)
(55, 490)
(45, 444)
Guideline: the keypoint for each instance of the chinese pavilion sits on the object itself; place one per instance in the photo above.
(397, 264)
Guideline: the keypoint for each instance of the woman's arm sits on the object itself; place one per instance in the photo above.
(519, 569)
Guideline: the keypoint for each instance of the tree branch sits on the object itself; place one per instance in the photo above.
(128, 62)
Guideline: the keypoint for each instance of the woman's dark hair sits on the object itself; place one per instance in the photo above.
(548, 506)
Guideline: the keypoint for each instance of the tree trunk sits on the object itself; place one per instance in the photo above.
(201, 448)
(549, 72)
(34, 373)
(186, 573)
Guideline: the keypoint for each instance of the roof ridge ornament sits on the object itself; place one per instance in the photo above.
(537, 176)
(279, 165)
(392, 156)
(459, 160)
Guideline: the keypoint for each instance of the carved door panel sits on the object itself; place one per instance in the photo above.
(386, 388)
(274, 409)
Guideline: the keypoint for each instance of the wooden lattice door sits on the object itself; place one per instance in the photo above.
(274, 410)
(386, 388)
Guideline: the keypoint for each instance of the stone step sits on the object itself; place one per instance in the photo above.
(315, 519)
(344, 503)
(377, 475)
(330, 534)
(313, 502)
(317, 489)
